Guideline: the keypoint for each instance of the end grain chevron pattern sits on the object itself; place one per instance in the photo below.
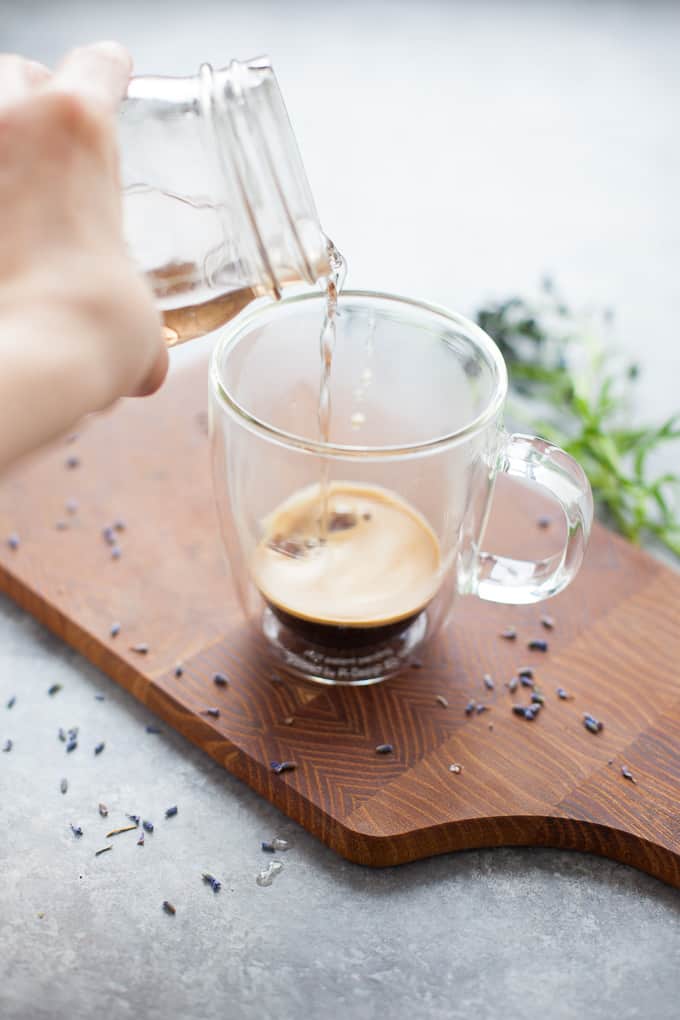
(615, 649)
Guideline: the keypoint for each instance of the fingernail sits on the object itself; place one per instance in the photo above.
(113, 49)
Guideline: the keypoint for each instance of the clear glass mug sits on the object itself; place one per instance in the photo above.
(417, 402)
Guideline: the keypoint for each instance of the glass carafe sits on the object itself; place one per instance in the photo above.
(217, 207)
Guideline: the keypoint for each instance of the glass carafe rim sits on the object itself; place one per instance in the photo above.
(235, 331)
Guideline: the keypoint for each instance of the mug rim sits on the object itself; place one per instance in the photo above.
(235, 330)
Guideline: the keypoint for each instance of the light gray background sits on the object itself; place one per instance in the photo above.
(487, 144)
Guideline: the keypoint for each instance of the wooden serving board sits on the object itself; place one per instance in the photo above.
(615, 648)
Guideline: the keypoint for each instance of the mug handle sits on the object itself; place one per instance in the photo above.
(521, 582)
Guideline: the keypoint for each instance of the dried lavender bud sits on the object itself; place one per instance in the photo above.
(169, 908)
(103, 850)
(488, 682)
(103, 810)
(562, 694)
(140, 649)
(179, 669)
(592, 724)
(72, 734)
(537, 698)
(151, 728)
(288, 721)
(109, 535)
(54, 689)
(287, 766)
(13, 540)
(63, 785)
(99, 748)
(531, 712)
(526, 671)
(526, 681)
(134, 818)
(267, 876)
(119, 525)
(72, 462)
(115, 630)
(8, 745)
(12, 701)
(147, 826)
(62, 735)
(116, 552)
(100, 697)
(220, 680)
(171, 811)
(72, 506)
(214, 712)
(76, 830)
(470, 707)
(512, 685)
(509, 634)
(441, 700)
(456, 768)
(213, 882)
(548, 622)
(61, 526)
(482, 708)
(140, 841)
(544, 522)
(627, 774)
(537, 645)
(384, 749)
(267, 847)
(519, 710)
(71, 746)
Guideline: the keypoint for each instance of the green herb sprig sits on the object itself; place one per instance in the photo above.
(569, 386)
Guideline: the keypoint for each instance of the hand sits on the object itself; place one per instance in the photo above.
(71, 301)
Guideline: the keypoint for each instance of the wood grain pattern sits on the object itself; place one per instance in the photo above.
(615, 648)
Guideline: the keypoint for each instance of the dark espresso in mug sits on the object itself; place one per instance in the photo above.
(374, 570)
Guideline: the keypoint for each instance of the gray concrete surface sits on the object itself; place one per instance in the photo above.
(489, 143)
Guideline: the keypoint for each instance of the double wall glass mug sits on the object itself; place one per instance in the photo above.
(346, 582)
(216, 204)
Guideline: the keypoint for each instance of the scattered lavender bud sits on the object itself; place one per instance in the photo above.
(482, 708)
(72, 506)
(171, 811)
(119, 525)
(267, 876)
(99, 748)
(591, 724)
(213, 882)
(179, 669)
(76, 830)
(526, 671)
(151, 728)
(134, 818)
(488, 682)
(537, 645)
(509, 634)
(548, 622)
(72, 462)
(470, 707)
(519, 710)
(61, 526)
(116, 552)
(384, 749)
(100, 697)
(71, 745)
(63, 785)
(526, 681)
(72, 734)
(12, 701)
(214, 712)
(512, 685)
(140, 841)
(267, 846)
(13, 541)
(8, 745)
(109, 535)
(115, 630)
(455, 767)
(169, 908)
(544, 521)
(140, 649)
(62, 735)
(220, 680)
(288, 766)
(627, 774)
(147, 826)
(537, 698)
(103, 810)
(531, 712)
(562, 694)
(441, 700)
(54, 689)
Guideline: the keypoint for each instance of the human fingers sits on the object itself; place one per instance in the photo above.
(19, 77)
(156, 376)
(98, 74)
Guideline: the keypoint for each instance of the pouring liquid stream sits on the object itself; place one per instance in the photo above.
(334, 284)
